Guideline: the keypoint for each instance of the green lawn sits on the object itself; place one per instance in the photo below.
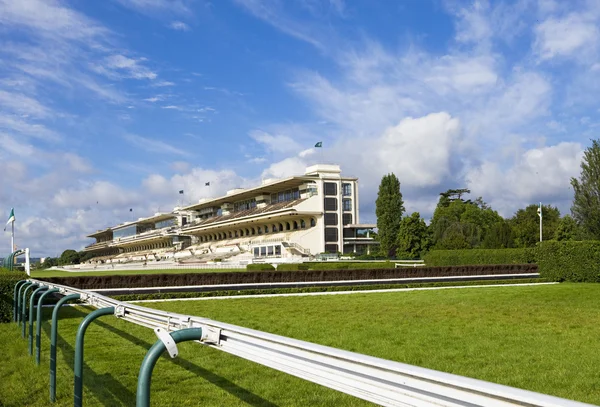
(60, 273)
(539, 338)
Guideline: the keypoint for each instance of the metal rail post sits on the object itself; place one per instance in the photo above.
(142, 398)
(15, 299)
(38, 326)
(24, 310)
(78, 370)
(31, 305)
(53, 335)
(20, 295)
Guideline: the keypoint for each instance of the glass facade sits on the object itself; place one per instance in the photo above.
(346, 218)
(330, 189)
(165, 223)
(347, 204)
(331, 219)
(244, 205)
(347, 189)
(331, 204)
(126, 231)
(285, 196)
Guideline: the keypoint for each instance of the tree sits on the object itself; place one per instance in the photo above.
(586, 203)
(568, 229)
(389, 208)
(526, 225)
(500, 236)
(49, 262)
(68, 257)
(460, 224)
(413, 237)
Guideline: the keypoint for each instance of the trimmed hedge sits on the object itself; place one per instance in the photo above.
(480, 256)
(570, 261)
(260, 267)
(8, 279)
(341, 265)
(170, 280)
(292, 267)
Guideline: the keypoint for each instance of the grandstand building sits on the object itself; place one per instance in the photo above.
(296, 217)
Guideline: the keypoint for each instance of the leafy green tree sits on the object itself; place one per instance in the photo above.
(68, 257)
(389, 208)
(568, 229)
(526, 225)
(586, 203)
(49, 262)
(413, 238)
(460, 224)
(500, 236)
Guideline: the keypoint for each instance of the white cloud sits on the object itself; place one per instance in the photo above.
(154, 146)
(538, 174)
(22, 104)
(157, 6)
(179, 26)
(119, 66)
(163, 83)
(276, 143)
(285, 168)
(563, 37)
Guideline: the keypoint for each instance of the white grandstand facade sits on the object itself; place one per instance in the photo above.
(288, 219)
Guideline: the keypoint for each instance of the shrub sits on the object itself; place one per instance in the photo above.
(292, 267)
(479, 256)
(340, 265)
(8, 279)
(260, 267)
(570, 261)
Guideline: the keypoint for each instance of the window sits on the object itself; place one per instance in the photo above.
(277, 250)
(349, 233)
(347, 189)
(260, 230)
(295, 225)
(331, 219)
(331, 248)
(347, 219)
(266, 229)
(274, 228)
(347, 204)
(313, 222)
(331, 204)
(256, 252)
(285, 196)
(244, 205)
(330, 188)
(302, 224)
(270, 250)
(331, 234)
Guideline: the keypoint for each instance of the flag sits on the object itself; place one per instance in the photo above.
(11, 218)
(207, 184)
(319, 144)
(130, 209)
(181, 191)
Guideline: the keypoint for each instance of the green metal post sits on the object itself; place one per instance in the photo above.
(24, 310)
(53, 336)
(78, 370)
(142, 398)
(15, 299)
(31, 305)
(21, 290)
(38, 326)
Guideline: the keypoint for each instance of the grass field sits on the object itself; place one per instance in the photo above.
(60, 273)
(538, 338)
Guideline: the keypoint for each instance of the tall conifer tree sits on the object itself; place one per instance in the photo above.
(389, 208)
(586, 203)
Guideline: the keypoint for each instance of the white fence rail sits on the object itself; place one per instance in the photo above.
(380, 381)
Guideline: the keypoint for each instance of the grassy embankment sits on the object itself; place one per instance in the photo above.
(536, 338)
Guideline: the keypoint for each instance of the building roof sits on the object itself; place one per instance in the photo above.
(100, 232)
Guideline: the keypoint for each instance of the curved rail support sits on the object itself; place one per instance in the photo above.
(38, 325)
(31, 305)
(24, 309)
(142, 398)
(78, 370)
(15, 299)
(19, 301)
(53, 335)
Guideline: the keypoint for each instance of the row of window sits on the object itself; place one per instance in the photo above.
(259, 230)
(331, 204)
(331, 219)
(331, 189)
(285, 196)
(264, 251)
(244, 205)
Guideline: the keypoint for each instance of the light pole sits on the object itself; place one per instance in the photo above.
(539, 211)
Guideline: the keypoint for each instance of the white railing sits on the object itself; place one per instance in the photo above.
(380, 381)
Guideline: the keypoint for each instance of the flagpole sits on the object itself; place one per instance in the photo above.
(12, 238)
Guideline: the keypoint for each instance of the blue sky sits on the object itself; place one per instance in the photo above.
(118, 104)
